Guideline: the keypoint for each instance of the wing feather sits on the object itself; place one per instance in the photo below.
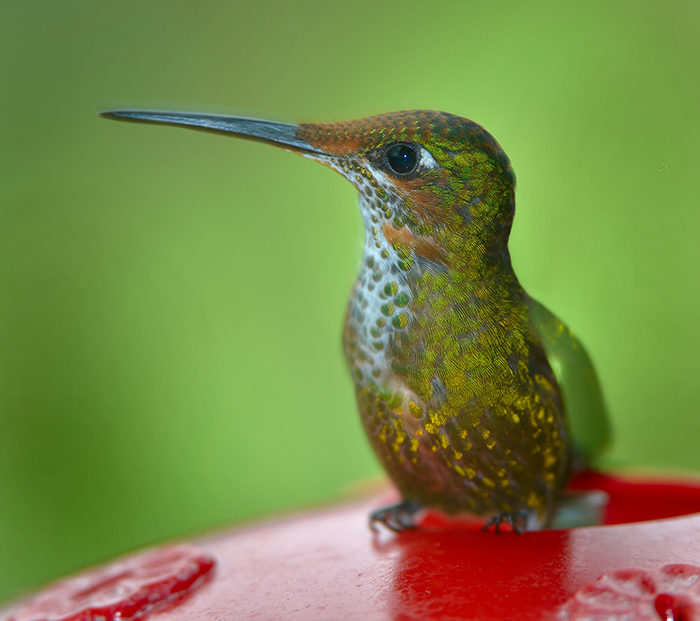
(583, 397)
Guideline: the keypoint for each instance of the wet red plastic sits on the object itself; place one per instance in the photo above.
(642, 500)
(668, 593)
(326, 564)
(129, 588)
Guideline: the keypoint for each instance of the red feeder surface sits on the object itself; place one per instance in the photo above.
(327, 565)
(129, 588)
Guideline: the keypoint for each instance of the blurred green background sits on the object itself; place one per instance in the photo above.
(171, 302)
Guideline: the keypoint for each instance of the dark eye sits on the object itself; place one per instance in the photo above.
(402, 158)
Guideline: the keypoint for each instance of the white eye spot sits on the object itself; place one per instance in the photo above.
(427, 160)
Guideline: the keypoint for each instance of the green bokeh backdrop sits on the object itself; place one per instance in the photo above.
(171, 302)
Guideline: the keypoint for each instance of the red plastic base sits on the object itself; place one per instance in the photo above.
(327, 565)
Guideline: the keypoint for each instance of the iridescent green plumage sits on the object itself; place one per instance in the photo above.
(459, 402)
(448, 353)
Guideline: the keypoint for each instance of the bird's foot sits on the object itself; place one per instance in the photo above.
(397, 517)
(517, 519)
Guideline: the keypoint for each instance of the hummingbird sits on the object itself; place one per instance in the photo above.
(475, 398)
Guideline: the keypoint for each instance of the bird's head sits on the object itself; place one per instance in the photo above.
(434, 185)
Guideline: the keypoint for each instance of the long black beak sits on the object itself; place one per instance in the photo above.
(281, 135)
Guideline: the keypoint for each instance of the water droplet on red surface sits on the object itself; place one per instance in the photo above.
(128, 588)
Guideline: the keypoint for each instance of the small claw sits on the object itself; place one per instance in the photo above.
(397, 517)
(517, 519)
